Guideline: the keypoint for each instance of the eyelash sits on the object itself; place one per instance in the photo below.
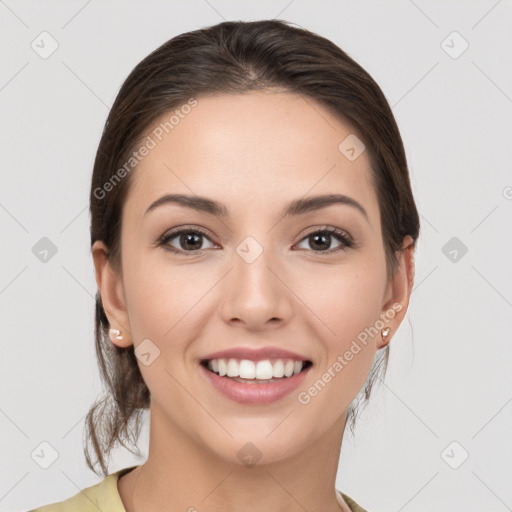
(343, 237)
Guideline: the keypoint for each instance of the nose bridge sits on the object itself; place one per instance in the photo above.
(255, 293)
(253, 261)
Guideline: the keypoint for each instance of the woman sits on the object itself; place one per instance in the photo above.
(252, 231)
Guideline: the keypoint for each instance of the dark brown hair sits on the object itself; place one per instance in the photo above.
(231, 57)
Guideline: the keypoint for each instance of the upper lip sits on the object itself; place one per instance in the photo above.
(254, 354)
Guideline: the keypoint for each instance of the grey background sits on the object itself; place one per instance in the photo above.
(450, 373)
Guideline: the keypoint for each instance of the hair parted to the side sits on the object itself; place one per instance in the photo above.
(232, 57)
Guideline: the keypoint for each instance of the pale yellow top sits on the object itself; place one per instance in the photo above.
(104, 496)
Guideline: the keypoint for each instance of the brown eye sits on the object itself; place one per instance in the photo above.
(187, 240)
(321, 240)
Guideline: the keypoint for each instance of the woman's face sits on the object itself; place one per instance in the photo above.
(255, 278)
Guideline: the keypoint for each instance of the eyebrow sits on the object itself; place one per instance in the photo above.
(296, 207)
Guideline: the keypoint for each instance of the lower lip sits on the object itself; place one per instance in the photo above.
(255, 393)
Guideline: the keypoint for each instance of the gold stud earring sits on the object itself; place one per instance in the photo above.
(385, 333)
(116, 333)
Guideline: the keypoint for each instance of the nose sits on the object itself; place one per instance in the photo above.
(256, 294)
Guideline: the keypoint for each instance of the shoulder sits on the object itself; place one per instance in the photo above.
(101, 496)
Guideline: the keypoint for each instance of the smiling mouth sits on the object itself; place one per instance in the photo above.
(255, 372)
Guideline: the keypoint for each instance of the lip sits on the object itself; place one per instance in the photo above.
(255, 354)
(254, 393)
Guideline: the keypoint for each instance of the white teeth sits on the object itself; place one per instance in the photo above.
(264, 370)
(261, 370)
(288, 368)
(278, 369)
(233, 370)
(222, 367)
(247, 369)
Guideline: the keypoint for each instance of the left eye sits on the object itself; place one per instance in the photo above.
(323, 237)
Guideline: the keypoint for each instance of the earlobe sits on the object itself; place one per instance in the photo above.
(110, 288)
(384, 333)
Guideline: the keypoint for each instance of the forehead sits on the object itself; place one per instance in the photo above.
(254, 150)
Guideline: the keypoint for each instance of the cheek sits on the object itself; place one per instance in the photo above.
(165, 300)
(345, 305)
(344, 300)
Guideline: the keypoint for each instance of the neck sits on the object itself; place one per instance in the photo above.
(182, 474)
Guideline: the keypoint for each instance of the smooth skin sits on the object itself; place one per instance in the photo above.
(255, 153)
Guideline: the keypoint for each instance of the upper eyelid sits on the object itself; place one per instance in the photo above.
(313, 229)
(332, 229)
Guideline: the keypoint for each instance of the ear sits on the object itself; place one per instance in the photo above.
(110, 287)
(398, 291)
